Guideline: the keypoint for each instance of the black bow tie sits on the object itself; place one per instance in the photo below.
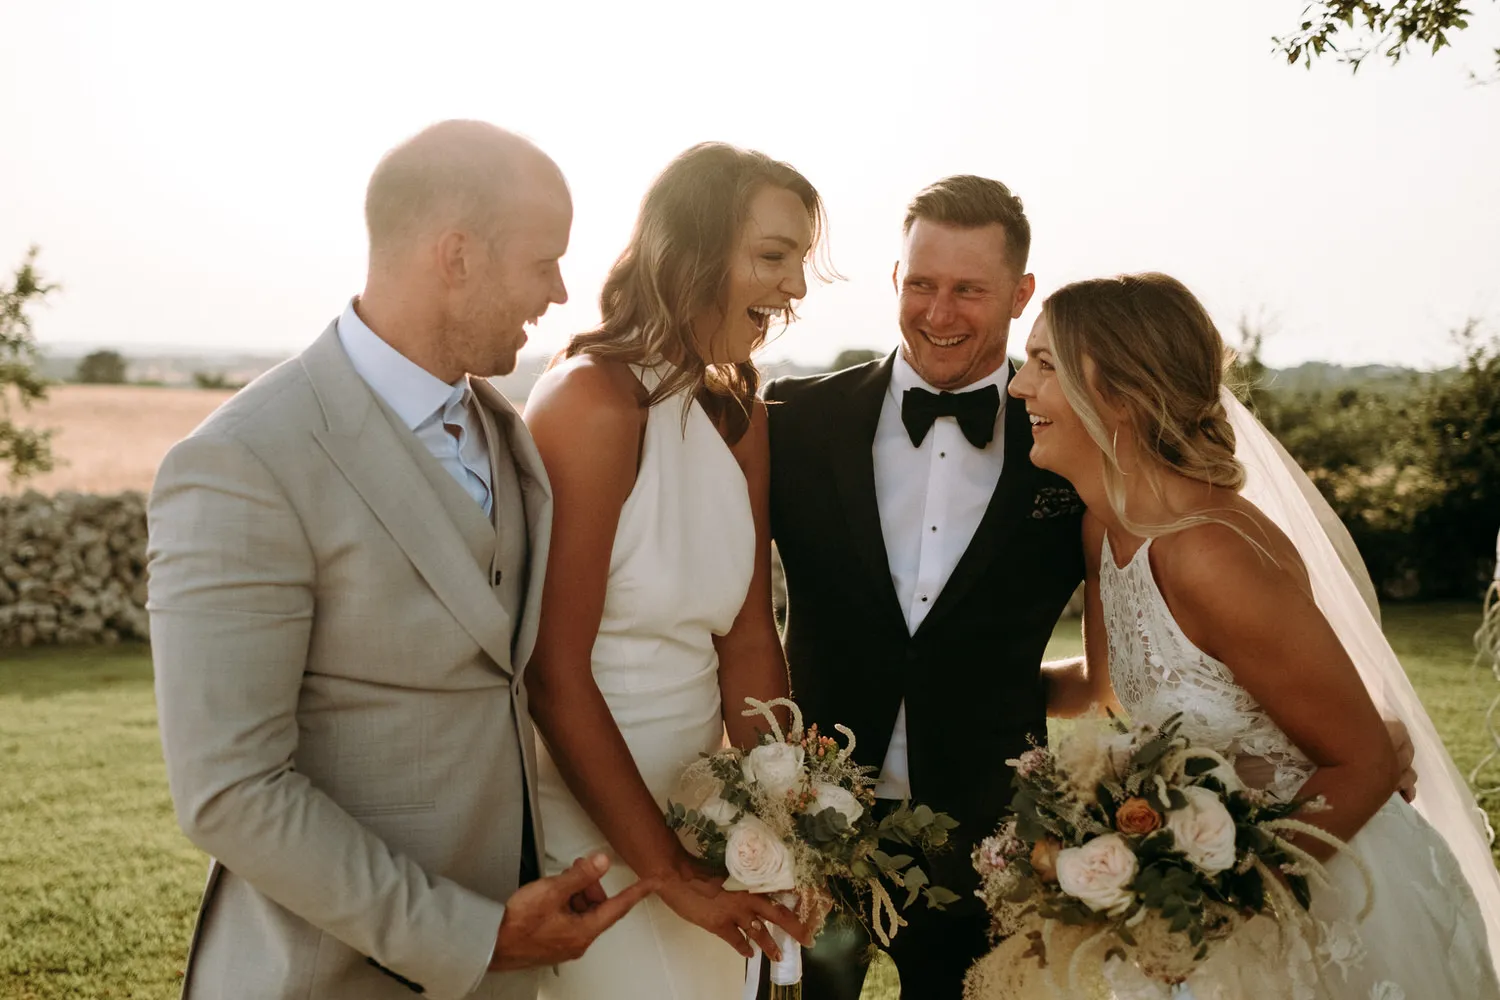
(974, 410)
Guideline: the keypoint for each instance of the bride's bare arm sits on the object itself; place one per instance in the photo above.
(1081, 685)
(587, 424)
(751, 660)
(1259, 619)
(587, 420)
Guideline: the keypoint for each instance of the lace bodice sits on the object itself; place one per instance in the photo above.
(1157, 672)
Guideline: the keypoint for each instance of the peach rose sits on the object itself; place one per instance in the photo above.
(1135, 817)
(1044, 859)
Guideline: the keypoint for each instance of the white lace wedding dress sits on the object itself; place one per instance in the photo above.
(679, 571)
(1424, 940)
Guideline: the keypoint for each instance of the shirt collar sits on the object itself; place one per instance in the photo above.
(904, 376)
(405, 386)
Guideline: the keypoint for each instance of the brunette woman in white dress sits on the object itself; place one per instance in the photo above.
(656, 615)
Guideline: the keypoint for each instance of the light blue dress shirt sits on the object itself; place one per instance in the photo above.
(425, 403)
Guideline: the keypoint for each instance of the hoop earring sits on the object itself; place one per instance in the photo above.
(1114, 447)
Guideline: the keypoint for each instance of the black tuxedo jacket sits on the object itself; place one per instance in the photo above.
(970, 675)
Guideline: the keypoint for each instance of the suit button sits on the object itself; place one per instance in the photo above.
(496, 582)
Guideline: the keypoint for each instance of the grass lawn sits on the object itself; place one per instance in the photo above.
(98, 888)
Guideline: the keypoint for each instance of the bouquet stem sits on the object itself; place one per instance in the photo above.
(786, 972)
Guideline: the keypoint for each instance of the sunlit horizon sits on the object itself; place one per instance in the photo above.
(194, 178)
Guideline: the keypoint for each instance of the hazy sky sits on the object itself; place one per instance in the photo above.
(195, 175)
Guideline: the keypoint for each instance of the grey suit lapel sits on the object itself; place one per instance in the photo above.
(506, 430)
(536, 494)
(368, 451)
(467, 515)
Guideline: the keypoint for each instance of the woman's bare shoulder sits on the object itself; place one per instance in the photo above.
(1241, 564)
(587, 389)
(1240, 539)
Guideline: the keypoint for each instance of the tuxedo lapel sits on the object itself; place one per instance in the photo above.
(852, 461)
(365, 447)
(1007, 507)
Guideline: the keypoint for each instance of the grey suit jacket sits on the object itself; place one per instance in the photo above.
(339, 688)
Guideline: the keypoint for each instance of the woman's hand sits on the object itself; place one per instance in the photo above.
(1405, 755)
(734, 916)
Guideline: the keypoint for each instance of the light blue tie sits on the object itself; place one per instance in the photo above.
(470, 454)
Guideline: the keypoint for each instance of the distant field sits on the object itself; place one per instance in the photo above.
(110, 438)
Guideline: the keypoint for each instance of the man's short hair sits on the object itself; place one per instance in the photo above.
(971, 202)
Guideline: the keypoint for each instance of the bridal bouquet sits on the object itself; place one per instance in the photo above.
(1129, 857)
(792, 817)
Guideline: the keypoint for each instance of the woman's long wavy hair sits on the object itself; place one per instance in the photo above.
(676, 266)
(1146, 345)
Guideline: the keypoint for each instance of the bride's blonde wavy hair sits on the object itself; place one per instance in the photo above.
(1146, 345)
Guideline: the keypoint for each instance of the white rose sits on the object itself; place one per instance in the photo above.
(719, 812)
(776, 767)
(827, 796)
(1098, 873)
(757, 859)
(1203, 830)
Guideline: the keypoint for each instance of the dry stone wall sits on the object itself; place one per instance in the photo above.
(72, 569)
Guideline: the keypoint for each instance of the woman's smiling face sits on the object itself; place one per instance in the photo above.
(1059, 441)
(767, 274)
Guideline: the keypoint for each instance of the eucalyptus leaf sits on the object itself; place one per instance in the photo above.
(939, 897)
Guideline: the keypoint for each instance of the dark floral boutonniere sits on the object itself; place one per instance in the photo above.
(1056, 501)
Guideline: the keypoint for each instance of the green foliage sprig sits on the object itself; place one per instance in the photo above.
(1354, 30)
(26, 451)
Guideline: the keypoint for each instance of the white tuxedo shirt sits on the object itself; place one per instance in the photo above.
(931, 499)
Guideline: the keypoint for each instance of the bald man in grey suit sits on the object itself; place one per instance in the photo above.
(346, 565)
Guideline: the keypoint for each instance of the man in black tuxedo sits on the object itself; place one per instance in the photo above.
(927, 561)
